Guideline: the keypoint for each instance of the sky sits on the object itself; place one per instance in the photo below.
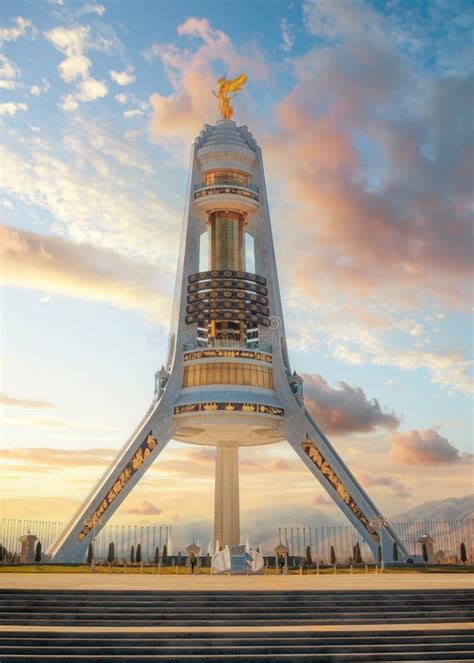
(363, 111)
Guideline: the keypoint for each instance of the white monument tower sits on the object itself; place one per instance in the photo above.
(227, 381)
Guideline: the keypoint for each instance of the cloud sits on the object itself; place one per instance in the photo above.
(375, 158)
(322, 500)
(8, 73)
(123, 77)
(5, 399)
(179, 116)
(73, 43)
(278, 464)
(287, 32)
(121, 98)
(205, 455)
(344, 410)
(146, 509)
(136, 112)
(425, 447)
(23, 28)
(57, 265)
(92, 184)
(49, 457)
(89, 90)
(11, 108)
(36, 90)
(91, 8)
(371, 480)
(49, 423)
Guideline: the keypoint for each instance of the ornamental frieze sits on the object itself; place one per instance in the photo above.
(229, 407)
(236, 191)
(227, 315)
(229, 305)
(232, 354)
(137, 460)
(321, 463)
(227, 274)
(239, 295)
(212, 284)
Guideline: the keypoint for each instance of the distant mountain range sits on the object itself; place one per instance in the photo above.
(260, 525)
(452, 508)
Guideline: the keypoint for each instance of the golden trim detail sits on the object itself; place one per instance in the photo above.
(323, 466)
(229, 407)
(228, 354)
(138, 458)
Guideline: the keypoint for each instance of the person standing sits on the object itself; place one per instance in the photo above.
(281, 563)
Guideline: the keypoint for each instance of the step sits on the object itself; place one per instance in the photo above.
(446, 645)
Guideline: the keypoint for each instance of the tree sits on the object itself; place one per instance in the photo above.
(164, 556)
(463, 553)
(90, 553)
(208, 560)
(425, 553)
(395, 552)
(333, 555)
(2, 556)
(178, 559)
(138, 556)
(111, 553)
(358, 555)
(379, 554)
(38, 552)
(157, 555)
(309, 559)
(132, 555)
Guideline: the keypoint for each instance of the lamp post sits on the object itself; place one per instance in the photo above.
(381, 522)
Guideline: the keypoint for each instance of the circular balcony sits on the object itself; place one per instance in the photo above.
(234, 196)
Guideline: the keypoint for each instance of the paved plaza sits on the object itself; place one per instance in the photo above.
(106, 581)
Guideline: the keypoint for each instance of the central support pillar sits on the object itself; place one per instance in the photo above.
(226, 499)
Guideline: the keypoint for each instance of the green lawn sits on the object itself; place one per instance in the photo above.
(170, 570)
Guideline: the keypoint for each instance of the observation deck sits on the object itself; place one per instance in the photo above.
(242, 198)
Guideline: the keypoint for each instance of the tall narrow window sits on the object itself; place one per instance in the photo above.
(204, 251)
(249, 253)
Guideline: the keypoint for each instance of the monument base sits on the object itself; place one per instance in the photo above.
(238, 560)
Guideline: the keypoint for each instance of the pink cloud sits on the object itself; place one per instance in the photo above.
(344, 410)
(278, 464)
(426, 447)
(5, 399)
(370, 480)
(201, 455)
(146, 509)
(179, 116)
(351, 152)
(322, 500)
(58, 265)
(49, 457)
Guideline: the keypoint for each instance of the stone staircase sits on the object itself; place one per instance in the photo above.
(237, 614)
(419, 645)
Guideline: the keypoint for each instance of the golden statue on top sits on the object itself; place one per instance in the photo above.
(225, 87)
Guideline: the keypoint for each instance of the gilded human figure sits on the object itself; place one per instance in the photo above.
(225, 88)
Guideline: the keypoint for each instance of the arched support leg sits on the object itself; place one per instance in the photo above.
(321, 458)
(139, 452)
